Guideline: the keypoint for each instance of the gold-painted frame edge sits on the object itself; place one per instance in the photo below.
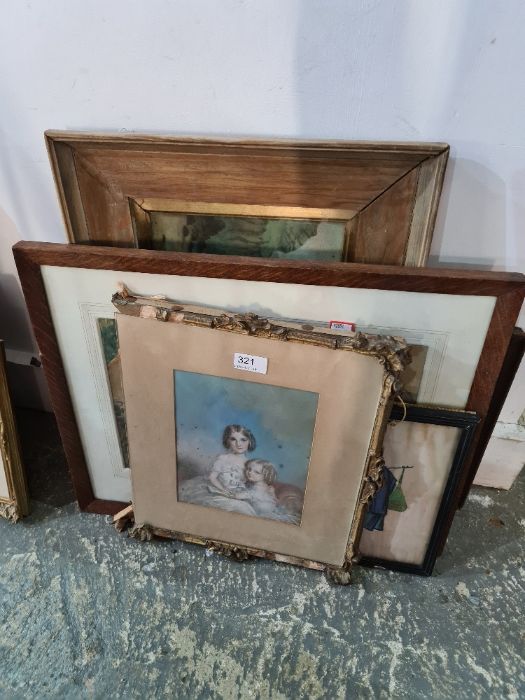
(17, 505)
(424, 214)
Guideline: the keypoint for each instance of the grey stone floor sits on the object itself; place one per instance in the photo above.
(87, 613)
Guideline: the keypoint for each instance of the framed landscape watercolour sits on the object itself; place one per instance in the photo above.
(424, 452)
(368, 202)
(186, 230)
(14, 500)
(252, 442)
(462, 319)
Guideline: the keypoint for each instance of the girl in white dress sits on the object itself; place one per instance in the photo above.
(225, 486)
(227, 473)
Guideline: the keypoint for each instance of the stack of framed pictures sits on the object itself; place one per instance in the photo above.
(320, 243)
(462, 319)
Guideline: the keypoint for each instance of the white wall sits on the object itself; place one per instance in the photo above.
(356, 69)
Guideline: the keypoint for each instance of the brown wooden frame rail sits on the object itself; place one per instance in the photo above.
(511, 364)
(508, 288)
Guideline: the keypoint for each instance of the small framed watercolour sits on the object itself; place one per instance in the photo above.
(368, 202)
(424, 451)
(14, 501)
(277, 463)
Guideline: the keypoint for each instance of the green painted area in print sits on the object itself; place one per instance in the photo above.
(300, 239)
(108, 336)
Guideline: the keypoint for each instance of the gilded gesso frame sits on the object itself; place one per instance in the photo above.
(391, 352)
(17, 504)
(387, 192)
(33, 259)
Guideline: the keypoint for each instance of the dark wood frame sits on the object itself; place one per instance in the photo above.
(387, 192)
(508, 288)
(468, 423)
(511, 363)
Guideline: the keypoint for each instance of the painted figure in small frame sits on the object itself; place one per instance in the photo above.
(262, 468)
(424, 452)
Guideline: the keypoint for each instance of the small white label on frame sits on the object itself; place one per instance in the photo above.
(342, 325)
(250, 363)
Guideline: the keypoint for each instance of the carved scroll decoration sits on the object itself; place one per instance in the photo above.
(10, 511)
(142, 533)
(392, 351)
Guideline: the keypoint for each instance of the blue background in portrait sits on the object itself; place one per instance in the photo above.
(282, 421)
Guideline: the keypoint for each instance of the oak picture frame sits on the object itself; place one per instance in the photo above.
(32, 259)
(386, 192)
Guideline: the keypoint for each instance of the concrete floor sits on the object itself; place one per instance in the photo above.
(87, 613)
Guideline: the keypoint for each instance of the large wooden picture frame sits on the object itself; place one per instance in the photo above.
(14, 500)
(60, 282)
(385, 194)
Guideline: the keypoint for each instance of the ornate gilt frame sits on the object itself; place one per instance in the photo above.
(391, 352)
(17, 505)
